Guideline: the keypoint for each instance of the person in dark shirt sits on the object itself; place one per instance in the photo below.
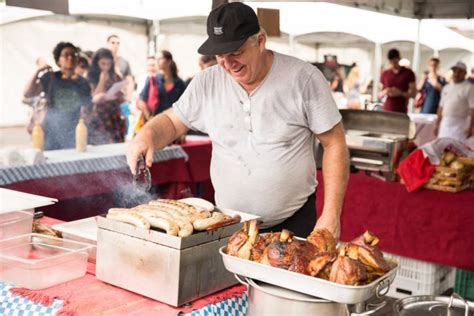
(397, 84)
(66, 93)
(431, 86)
(162, 90)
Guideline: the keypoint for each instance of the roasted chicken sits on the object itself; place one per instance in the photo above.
(354, 263)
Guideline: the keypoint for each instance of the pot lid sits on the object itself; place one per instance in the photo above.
(284, 293)
(11, 200)
(433, 306)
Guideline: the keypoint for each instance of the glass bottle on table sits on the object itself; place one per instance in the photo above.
(81, 133)
(37, 137)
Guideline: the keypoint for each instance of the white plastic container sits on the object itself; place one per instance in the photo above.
(37, 261)
(416, 277)
(82, 230)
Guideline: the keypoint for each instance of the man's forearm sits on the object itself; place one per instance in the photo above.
(160, 129)
(32, 87)
(335, 175)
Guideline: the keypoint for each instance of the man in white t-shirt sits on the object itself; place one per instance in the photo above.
(262, 111)
(456, 107)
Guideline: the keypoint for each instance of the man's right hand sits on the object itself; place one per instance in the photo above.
(141, 145)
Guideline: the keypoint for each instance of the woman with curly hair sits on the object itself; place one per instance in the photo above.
(65, 93)
(106, 122)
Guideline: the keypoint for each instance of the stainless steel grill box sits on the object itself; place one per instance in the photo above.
(166, 268)
(377, 141)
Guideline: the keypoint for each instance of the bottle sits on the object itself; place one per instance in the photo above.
(37, 137)
(81, 134)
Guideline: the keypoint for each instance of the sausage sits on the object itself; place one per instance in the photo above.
(168, 207)
(203, 224)
(129, 218)
(169, 210)
(167, 225)
(176, 205)
(117, 210)
(225, 222)
(185, 226)
(199, 203)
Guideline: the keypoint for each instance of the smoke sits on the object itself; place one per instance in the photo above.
(130, 196)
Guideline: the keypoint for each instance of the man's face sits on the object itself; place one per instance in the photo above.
(245, 64)
(433, 65)
(113, 44)
(151, 66)
(394, 62)
(458, 75)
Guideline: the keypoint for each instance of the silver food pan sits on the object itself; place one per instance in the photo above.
(346, 294)
(159, 237)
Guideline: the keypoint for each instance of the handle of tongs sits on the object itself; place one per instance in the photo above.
(141, 169)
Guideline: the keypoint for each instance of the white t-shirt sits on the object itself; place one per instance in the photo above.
(262, 154)
(457, 99)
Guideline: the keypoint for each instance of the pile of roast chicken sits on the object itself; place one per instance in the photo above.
(355, 263)
(175, 217)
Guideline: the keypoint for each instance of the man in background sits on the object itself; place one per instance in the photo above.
(397, 84)
(456, 108)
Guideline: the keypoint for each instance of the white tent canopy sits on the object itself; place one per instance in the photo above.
(298, 18)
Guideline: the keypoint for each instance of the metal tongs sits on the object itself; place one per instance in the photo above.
(142, 177)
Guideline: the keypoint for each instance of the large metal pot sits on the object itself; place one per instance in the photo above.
(266, 299)
(425, 305)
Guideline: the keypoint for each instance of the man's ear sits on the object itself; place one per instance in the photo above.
(261, 40)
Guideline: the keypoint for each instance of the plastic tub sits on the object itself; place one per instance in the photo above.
(15, 223)
(37, 261)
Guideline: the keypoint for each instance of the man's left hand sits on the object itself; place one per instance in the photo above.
(332, 224)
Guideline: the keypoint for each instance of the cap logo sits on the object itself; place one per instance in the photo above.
(218, 30)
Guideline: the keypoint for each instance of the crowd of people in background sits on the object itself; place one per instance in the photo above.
(99, 87)
(451, 99)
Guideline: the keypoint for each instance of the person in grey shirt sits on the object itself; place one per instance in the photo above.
(262, 111)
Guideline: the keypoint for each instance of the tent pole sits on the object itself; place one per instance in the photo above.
(376, 71)
(153, 33)
(416, 52)
(416, 60)
(291, 43)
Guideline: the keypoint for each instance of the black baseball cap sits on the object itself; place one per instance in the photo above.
(228, 27)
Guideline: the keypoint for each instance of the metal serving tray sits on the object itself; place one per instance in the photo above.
(176, 242)
(346, 294)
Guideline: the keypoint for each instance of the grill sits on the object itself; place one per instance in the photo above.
(377, 141)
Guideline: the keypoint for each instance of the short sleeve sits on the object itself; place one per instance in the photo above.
(319, 105)
(46, 81)
(411, 76)
(470, 96)
(189, 107)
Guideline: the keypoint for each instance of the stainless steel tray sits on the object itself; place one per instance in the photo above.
(346, 294)
(176, 242)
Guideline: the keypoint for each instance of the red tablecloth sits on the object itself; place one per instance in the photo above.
(426, 225)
